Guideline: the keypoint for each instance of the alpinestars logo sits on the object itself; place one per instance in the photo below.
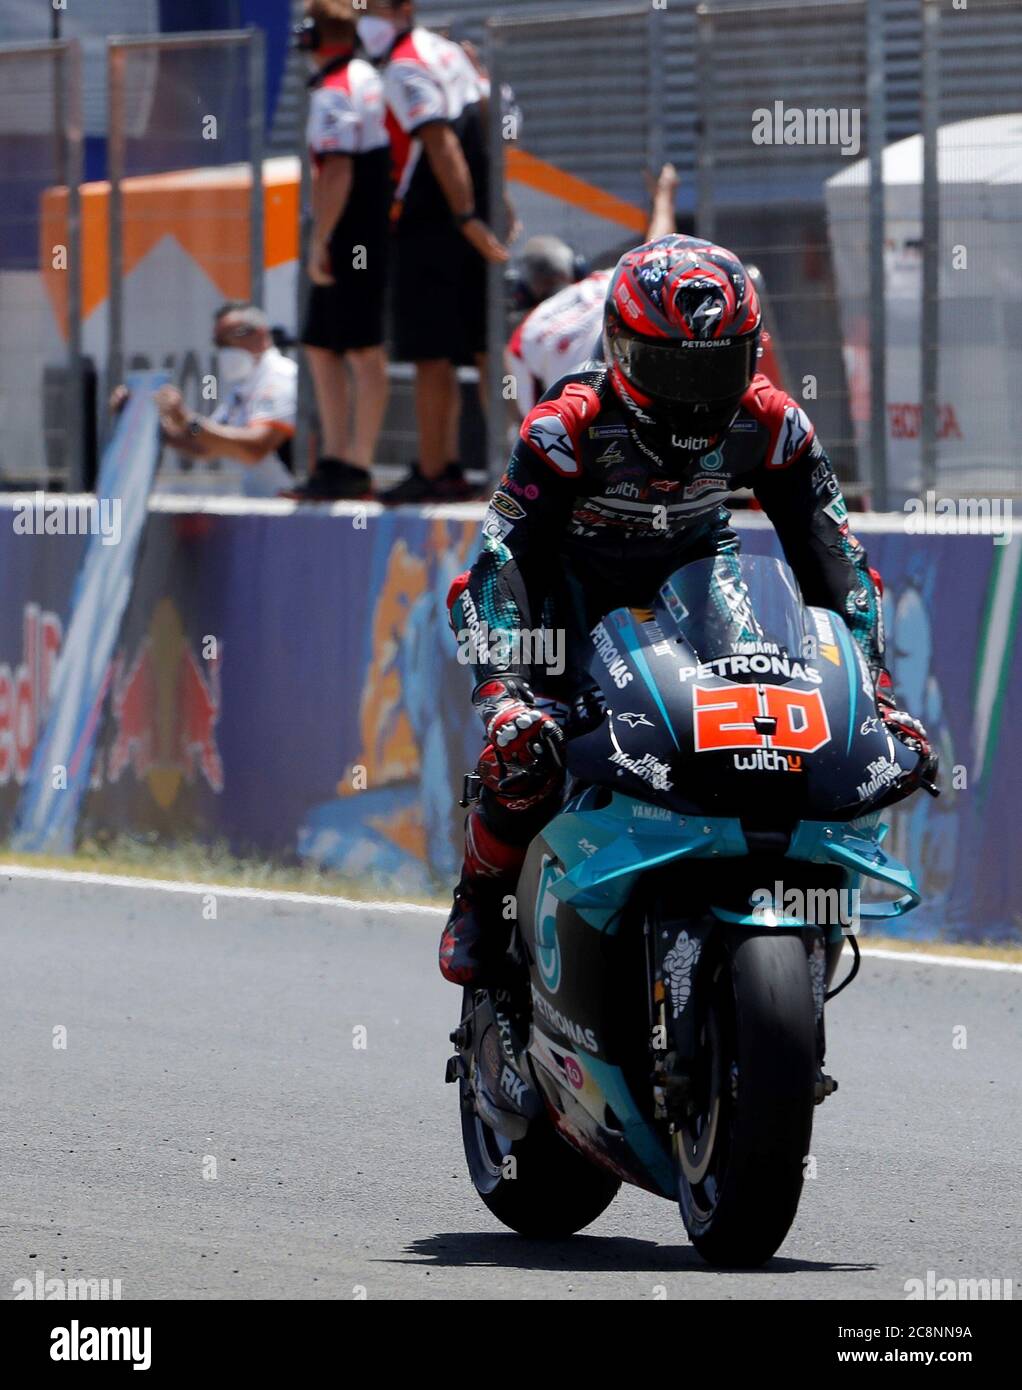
(549, 437)
(794, 433)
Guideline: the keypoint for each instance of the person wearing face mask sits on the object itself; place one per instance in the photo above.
(436, 100)
(251, 429)
(348, 252)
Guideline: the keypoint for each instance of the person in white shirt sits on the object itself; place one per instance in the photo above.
(348, 252)
(436, 101)
(255, 418)
(562, 331)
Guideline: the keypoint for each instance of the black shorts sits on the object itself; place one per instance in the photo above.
(439, 302)
(348, 314)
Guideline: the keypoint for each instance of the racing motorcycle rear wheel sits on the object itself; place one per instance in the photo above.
(741, 1149)
(538, 1185)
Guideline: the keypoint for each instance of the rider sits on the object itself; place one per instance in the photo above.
(619, 477)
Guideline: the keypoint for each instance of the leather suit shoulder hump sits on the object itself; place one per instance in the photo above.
(790, 431)
(553, 429)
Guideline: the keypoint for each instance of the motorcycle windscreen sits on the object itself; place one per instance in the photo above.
(736, 603)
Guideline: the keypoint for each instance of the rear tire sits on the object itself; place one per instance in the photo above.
(548, 1192)
(742, 1187)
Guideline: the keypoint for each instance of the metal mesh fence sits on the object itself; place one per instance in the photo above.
(771, 113)
(968, 279)
(767, 146)
(40, 132)
(582, 124)
(575, 123)
(186, 130)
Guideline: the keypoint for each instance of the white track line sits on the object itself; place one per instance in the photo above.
(923, 958)
(277, 895)
(169, 885)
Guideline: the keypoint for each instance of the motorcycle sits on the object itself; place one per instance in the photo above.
(659, 1018)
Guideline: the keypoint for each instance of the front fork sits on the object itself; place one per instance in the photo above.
(677, 955)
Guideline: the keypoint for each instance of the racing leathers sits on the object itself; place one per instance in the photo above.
(593, 515)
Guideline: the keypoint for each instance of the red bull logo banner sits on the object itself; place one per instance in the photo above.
(25, 692)
(164, 709)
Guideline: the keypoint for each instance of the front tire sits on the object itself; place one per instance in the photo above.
(741, 1152)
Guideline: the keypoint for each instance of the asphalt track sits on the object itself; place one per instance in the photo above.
(339, 1168)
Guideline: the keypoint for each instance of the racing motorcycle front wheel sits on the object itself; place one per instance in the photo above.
(741, 1149)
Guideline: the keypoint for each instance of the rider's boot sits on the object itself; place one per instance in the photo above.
(478, 930)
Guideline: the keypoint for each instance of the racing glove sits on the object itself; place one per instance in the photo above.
(907, 730)
(525, 747)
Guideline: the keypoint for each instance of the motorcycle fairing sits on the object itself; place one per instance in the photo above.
(573, 896)
(659, 669)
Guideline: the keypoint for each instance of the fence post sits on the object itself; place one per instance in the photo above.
(306, 409)
(256, 138)
(929, 336)
(71, 53)
(876, 97)
(115, 259)
(496, 317)
(705, 66)
(656, 39)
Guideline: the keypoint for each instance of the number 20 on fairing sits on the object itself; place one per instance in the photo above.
(758, 716)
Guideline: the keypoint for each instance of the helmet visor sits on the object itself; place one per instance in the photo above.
(687, 373)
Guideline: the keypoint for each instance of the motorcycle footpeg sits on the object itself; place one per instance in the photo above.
(825, 1086)
(456, 1069)
(471, 789)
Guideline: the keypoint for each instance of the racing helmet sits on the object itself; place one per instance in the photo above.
(681, 335)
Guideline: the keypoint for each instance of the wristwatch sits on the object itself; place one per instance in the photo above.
(462, 218)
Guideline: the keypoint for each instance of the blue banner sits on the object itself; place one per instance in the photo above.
(286, 684)
(114, 520)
